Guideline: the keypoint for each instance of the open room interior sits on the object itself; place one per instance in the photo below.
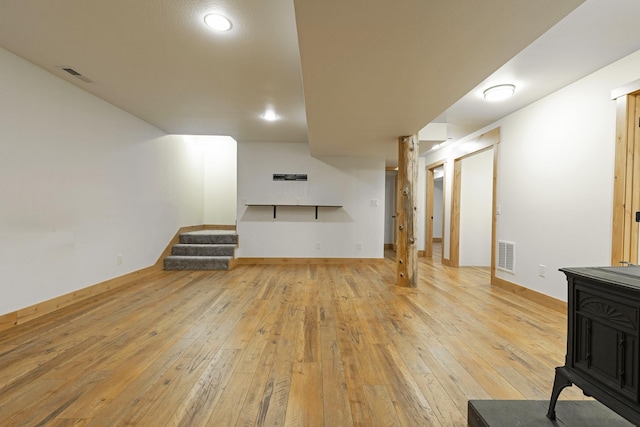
(127, 129)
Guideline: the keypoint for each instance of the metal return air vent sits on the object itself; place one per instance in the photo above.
(74, 73)
(506, 256)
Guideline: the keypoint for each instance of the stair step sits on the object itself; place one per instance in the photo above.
(210, 237)
(197, 262)
(203, 250)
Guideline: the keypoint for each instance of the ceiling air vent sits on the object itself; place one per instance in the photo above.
(76, 74)
(506, 256)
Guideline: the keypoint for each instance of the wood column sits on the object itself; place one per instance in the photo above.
(407, 216)
(454, 233)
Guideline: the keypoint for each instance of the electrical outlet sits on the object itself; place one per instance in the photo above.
(541, 269)
(119, 259)
(359, 246)
(318, 245)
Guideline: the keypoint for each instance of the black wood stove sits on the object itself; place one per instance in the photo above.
(603, 335)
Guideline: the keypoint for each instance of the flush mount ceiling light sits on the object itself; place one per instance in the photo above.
(499, 92)
(217, 22)
(270, 116)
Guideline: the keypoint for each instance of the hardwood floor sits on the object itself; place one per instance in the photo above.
(332, 345)
(437, 251)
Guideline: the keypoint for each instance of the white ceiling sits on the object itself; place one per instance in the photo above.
(376, 70)
(594, 35)
(348, 76)
(157, 60)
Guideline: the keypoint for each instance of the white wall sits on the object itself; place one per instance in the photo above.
(220, 178)
(437, 207)
(82, 181)
(555, 178)
(356, 183)
(476, 197)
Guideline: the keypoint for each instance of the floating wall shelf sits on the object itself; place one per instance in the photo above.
(275, 207)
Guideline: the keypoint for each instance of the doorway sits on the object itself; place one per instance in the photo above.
(434, 229)
(485, 142)
(625, 233)
(476, 196)
(391, 177)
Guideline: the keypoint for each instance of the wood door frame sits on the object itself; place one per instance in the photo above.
(484, 142)
(429, 210)
(395, 207)
(454, 222)
(626, 182)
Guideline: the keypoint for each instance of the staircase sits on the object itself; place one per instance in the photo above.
(203, 250)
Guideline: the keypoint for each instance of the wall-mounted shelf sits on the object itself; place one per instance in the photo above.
(275, 207)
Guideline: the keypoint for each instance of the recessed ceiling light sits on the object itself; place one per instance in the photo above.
(499, 92)
(270, 115)
(217, 22)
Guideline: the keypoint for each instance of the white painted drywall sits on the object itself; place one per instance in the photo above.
(437, 207)
(476, 188)
(220, 178)
(358, 184)
(555, 178)
(82, 181)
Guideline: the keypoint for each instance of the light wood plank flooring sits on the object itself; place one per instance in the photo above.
(314, 345)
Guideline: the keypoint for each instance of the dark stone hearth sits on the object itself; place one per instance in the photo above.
(533, 413)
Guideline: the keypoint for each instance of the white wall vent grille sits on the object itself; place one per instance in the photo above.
(506, 256)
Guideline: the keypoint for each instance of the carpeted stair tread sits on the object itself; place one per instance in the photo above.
(176, 262)
(211, 232)
(189, 249)
(203, 250)
(209, 237)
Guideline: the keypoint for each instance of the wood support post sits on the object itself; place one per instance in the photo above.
(407, 215)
